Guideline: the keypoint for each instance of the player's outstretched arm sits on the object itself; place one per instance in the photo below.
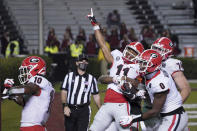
(159, 100)
(105, 79)
(29, 89)
(99, 37)
(16, 93)
(182, 84)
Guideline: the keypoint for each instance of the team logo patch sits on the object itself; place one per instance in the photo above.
(118, 58)
(153, 55)
(34, 60)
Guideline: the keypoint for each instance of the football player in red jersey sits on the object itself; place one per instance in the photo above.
(35, 94)
(122, 64)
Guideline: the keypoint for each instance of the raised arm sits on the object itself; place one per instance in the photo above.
(100, 39)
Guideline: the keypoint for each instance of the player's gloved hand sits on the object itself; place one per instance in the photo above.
(92, 18)
(141, 94)
(117, 79)
(126, 90)
(13, 98)
(126, 121)
(8, 83)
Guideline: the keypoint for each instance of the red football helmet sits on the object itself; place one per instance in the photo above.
(31, 66)
(150, 61)
(132, 50)
(164, 46)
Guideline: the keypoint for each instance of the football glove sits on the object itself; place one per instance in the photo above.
(8, 83)
(126, 90)
(117, 79)
(126, 121)
(92, 18)
(141, 94)
(13, 98)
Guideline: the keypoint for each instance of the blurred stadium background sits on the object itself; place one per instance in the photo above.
(21, 19)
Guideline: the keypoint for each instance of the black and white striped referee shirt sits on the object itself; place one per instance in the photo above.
(79, 88)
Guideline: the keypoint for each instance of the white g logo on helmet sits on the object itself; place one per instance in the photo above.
(153, 55)
(34, 60)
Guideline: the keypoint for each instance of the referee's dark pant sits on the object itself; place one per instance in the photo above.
(78, 119)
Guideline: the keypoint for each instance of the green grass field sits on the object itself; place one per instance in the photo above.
(11, 112)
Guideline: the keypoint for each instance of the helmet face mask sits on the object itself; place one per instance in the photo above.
(164, 46)
(30, 67)
(129, 54)
(149, 61)
(144, 65)
(132, 50)
(24, 74)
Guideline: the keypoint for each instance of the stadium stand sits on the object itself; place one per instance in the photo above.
(74, 12)
(135, 13)
(179, 20)
(144, 13)
(62, 13)
(6, 22)
(25, 14)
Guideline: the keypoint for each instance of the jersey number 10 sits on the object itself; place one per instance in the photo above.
(38, 80)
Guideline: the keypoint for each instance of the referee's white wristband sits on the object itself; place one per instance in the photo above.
(96, 27)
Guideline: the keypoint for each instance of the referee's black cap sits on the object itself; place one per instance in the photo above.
(82, 57)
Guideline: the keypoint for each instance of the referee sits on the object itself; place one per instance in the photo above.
(76, 96)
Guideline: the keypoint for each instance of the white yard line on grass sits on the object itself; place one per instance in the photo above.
(191, 114)
(189, 106)
(192, 123)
